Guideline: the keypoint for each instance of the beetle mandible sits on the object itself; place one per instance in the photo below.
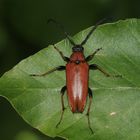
(77, 76)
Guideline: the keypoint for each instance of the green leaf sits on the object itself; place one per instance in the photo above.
(115, 109)
(27, 135)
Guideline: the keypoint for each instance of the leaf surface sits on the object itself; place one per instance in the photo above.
(115, 108)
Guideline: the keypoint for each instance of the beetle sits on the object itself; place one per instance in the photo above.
(77, 76)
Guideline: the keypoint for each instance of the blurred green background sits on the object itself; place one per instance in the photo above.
(24, 31)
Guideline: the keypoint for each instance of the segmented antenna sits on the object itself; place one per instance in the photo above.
(62, 28)
(91, 31)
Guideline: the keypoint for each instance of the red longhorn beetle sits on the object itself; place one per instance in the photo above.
(77, 76)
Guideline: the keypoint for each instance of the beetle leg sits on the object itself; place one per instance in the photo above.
(96, 67)
(61, 54)
(63, 107)
(59, 68)
(90, 101)
(90, 57)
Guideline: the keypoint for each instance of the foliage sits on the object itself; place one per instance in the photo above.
(115, 108)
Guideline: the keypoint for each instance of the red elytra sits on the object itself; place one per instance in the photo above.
(77, 82)
(77, 76)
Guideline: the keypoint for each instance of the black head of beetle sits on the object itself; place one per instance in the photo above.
(77, 48)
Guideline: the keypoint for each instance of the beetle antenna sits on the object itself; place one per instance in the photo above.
(62, 28)
(91, 31)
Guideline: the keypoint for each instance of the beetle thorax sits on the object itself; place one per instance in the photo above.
(77, 57)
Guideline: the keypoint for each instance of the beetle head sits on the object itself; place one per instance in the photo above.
(77, 48)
